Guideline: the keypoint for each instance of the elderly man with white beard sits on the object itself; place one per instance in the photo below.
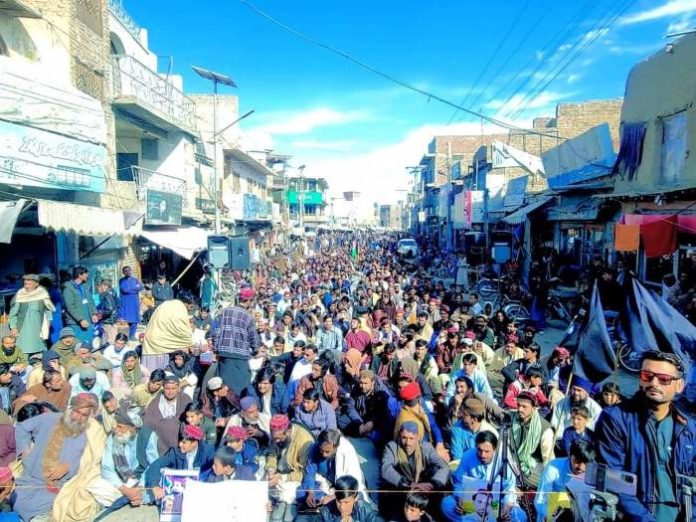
(122, 479)
(51, 446)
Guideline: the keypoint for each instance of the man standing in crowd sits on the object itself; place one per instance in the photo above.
(108, 310)
(237, 342)
(80, 312)
(30, 316)
(651, 436)
(130, 288)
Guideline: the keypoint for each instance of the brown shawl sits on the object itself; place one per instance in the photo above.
(167, 430)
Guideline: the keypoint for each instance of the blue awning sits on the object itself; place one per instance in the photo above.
(520, 215)
(586, 173)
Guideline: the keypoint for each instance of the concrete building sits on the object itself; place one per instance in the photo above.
(307, 200)
(391, 217)
(656, 168)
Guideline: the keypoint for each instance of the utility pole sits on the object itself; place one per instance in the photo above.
(301, 197)
(216, 78)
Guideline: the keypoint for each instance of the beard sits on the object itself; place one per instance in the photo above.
(575, 403)
(124, 438)
(72, 427)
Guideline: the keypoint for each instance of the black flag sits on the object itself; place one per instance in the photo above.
(594, 358)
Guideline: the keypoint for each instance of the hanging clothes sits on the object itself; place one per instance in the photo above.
(660, 237)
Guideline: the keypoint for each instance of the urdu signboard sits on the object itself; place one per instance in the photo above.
(38, 158)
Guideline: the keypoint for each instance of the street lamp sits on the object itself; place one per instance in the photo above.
(222, 79)
(301, 196)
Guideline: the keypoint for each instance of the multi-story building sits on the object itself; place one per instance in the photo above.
(307, 201)
(103, 148)
(391, 217)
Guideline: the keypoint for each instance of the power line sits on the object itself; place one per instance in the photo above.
(553, 42)
(598, 30)
(389, 77)
(491, 59)
(500, 69)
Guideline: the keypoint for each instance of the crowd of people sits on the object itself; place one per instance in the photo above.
(357, 386)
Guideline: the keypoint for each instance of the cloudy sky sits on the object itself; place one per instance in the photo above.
(509, 59)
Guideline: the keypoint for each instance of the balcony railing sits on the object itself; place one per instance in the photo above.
(132, 79)
(146, 179)
(119, 11)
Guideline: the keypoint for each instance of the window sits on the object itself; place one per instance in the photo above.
(673, 158)
(310, 210)
(124, 162)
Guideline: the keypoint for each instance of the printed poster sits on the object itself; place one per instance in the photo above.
(174, 482)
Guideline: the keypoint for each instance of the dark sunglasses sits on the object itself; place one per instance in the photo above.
(662, 378)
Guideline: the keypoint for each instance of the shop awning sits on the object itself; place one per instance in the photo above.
(520, 215)
(9, 214)
(574, 209)
(81, 219)
(184, 241)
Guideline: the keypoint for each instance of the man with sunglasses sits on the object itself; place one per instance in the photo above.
(650, 436)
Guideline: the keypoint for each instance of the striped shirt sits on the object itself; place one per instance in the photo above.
(237, 336)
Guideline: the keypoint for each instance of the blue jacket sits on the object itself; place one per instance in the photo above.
(622, 444)
(175, 459)
(280, 402)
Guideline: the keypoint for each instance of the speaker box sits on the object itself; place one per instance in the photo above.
(239, 253)
(219, 251)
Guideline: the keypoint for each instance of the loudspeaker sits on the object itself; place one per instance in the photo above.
(239, 253)
(219, 251)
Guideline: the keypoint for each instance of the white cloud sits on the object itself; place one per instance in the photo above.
(572, 78)
(289, 123)
(380, 175)
(670, 8)
(684, 23)
(595, 34)
(541, 101)
(539, 55)
(340, 145)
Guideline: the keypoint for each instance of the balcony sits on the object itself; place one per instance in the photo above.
(144, 93)
(146, 179)
(119, 11)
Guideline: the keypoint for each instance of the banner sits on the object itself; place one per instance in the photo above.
(228, 501)
(505, 155)
(163, 208)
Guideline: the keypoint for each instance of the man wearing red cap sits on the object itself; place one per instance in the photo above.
(236, 342)
(285, 464)
(413, 410)
(192, 452)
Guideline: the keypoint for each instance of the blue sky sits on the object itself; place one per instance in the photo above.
(359, 130)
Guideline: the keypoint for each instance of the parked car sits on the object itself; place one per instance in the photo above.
(407, 248)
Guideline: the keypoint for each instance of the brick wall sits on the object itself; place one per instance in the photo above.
(575, 118)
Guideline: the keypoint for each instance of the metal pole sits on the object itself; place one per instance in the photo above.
(215, 165)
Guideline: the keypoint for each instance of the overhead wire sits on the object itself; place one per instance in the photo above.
(491, 59)
(510, 56)
(583, 43)
(552, 43)
(389, 77)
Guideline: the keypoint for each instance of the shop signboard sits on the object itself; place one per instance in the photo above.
(38, 158)
(163, 208)
(251, 207)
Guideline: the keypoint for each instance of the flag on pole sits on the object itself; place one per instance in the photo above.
(595, 357)
(650, 323)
